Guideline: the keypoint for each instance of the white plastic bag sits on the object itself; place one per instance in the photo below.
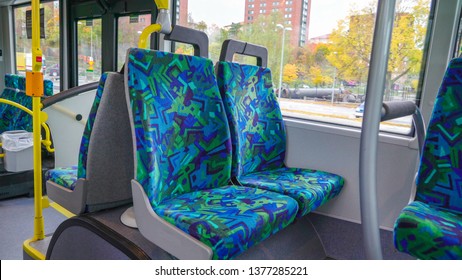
(17, 140)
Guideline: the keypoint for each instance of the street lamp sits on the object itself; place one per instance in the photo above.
(333, 84)
(282, 54)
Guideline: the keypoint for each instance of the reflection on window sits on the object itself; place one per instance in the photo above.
(326, 53)
(49, 44)
(128, 34)
(89, 50)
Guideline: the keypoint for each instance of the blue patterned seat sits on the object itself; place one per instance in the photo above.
(431, 226)
(183, 162)
(12, 118)
(68, 176)
(101, 180)
(259, 139)
(63, 176)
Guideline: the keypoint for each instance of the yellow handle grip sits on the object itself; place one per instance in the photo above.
(143, 42)
(162, 4)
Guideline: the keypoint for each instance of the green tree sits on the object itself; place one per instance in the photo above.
(352, 42)
(263, 32)
(318, 77)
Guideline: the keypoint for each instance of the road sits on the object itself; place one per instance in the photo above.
(339, 113)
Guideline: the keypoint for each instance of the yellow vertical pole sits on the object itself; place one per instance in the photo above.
(161, 4)
(34, 88)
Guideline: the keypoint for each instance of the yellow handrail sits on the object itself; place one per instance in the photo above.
(143, 41)
(162, 6)
(44, 116)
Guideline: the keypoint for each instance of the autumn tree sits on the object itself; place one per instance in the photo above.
(313, 66)
(263, 32)
(352, 42)
(290, 74)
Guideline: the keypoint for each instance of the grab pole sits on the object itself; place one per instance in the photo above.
(34, 89)
(370, 128)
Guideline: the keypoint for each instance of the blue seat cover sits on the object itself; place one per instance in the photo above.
(183, 155)
(259, 139)
(431, 226)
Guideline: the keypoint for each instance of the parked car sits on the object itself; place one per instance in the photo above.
(53, 71)
(359, 111)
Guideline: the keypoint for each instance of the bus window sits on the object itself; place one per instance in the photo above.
(128, 34)
(89, 50)
(326, 51)
(49, 44)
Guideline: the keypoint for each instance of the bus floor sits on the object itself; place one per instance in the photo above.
(342, 240)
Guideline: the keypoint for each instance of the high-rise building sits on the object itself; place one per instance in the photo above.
(296, 15)
(182, 12)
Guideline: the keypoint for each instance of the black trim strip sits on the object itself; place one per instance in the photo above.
(126, 246)
(230, 47)
(47, 102)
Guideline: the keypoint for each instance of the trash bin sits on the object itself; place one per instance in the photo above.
(18, 148)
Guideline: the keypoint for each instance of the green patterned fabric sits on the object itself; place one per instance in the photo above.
(83, 154)
(65, 176)
(229, 219)
(12, 118)
(259, 139)
(311, 188)
(183, 155)
(431, 227)
(183, 142)
(68, 176)
(428, 233)
(439, 182)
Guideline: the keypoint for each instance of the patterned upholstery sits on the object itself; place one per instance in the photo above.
(431, 227)
(259, 139)
(428, 233)
(82, 166)
(183, 153)
(7, 114)
(64, 176)
(254, 116)
(13, 118)
(229, 219)
(310, 188)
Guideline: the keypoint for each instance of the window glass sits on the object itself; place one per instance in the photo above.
(89, 50)
(49, 44)
(128, 34)
(326, 52)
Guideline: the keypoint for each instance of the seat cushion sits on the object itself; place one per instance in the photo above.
(65, 176)
(426, 232)
(311, 188)
(229, 219)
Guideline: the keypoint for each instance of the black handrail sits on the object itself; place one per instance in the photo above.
(65, 94)
(230, 47)
(196, 38)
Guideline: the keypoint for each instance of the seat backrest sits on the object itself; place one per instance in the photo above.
(109, 164)
(257, 128)
(83, 154)
(439, 180)
(12, 117)
(179, 126)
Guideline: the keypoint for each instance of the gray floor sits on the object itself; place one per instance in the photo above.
(17, 225)
(342, 240)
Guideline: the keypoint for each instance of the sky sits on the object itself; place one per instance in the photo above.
(324, 13)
